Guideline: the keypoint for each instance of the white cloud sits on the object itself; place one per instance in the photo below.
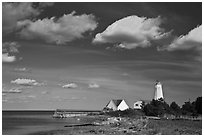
(132, 31)
(21, 69)
(31, 96)
(7, 58)
(58, 30)
(93, 85)
(26, 82)
(192, 40)
(70, 85)
(13, 12)
(10, 47)
(12, 90)
(45, 4)
(16, 11)
(189, 42)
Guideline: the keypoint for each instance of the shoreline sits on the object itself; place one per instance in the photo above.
(98, 125)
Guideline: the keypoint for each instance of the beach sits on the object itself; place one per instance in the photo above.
(42, 123)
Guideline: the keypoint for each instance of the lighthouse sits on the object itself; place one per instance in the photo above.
(158, 91)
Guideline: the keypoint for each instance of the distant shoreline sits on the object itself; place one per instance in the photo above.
(67, 110)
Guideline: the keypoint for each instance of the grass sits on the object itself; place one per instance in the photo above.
(174, 127)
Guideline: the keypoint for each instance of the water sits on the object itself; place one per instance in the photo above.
(31, 122)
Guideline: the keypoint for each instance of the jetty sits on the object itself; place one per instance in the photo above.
(63, 113)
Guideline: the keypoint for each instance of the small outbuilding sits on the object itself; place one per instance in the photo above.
(118, 104)
(138, 105)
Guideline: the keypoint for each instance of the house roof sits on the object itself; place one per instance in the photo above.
(117, 102)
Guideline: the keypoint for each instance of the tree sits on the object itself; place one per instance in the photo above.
(156, 108)
(160, 107)
(175, 109)
(149, 110)
(188, 108)
(198, 105)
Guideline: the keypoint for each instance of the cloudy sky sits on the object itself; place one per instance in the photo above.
(81, 55)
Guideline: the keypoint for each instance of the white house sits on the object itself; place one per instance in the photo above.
(118, 104)
(138, 104)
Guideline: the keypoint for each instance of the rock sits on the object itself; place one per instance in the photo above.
(92, 131)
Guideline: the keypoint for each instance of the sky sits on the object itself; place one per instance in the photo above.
(82, 55)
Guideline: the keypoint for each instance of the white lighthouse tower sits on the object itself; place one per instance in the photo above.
(158, 91)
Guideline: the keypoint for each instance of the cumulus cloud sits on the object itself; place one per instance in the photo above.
(9, 48)
(16, 11)
(21, 69)
(13, 12)
(70, 85)
(45, 4)
(7, 58)
(12, 90)
(192, 40)
(31, 96)
(93, 85)
(26, 82)
(132, 31)
(58, 30)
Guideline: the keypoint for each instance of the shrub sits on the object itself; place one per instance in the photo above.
(126, 113)
(156, 108)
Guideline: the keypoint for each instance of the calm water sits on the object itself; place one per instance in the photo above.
(28, 122)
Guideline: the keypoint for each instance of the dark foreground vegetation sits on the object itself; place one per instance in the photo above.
(161, 108)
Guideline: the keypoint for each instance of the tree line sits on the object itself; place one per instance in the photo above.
(160, 107)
